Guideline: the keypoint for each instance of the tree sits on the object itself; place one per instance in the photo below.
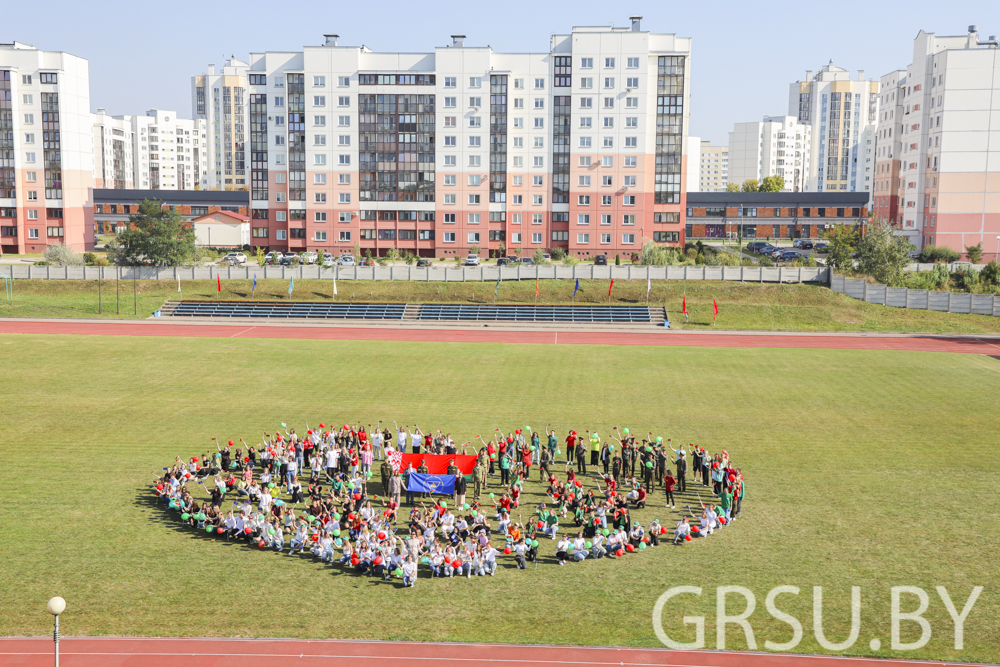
(750, 185)
(539, 257)
(732, 187)
(975, 252)
(155, 236)
(474, 250)
(842, 242)
(259, 254)
(884, 255)
(501, 249)
(772, 184)
(62, 255)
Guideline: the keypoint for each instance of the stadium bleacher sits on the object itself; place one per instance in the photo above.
(607, 314)
(316, 310)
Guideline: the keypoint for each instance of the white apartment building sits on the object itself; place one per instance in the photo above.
(842, 114)
(579, 147)
(775, 146)
(46, 150)
(692, 153)
(937, 170)
(220, 99)
(114, 167)
(713, 167)
(169, 151)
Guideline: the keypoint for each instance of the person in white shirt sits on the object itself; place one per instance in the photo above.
(265, 500)
(400, 438)
(409, 572)
(561, 549)
(415, 439)
(579, 547)
(489, 559)
(377, 444)
(597, 545)
(683, 530)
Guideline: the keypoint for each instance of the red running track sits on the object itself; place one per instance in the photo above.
(829, 341)
(126, 652)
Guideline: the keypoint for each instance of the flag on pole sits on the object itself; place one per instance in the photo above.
(610, 286)
(577, 288)
(715, 311)
(335, 287)
(178, 283)
(649, 286)
(291, 284)
(496, 288)
(536, 285)
(684, 309)
(253, 290)
(218, 286)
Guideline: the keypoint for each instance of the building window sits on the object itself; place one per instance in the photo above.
(583, 239)
(473, 237)
(280, 235)
(583, 219)
(55, 232)
(320, 235)
(345, 235)
(560, 236)
(449, 237)
(628, 239)
(628, 219)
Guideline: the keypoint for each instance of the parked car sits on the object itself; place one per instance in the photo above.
(767, 249)
(471, 260)
(821, 247)
(789, 256)
(601, 260)
(234, 258)
(773, 251)
(309, 257)
(757, 246)
(346, 260)
(272, 257)
(505, 261)
(804, 244)
(328, 259)
(288, 259)
(527, 260)
(547, 257)
(423, 262)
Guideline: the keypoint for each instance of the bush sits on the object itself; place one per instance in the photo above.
(62, 255)
(539, 257)
(89, 258)
(656, 255)
(931, 254)
(935, 279)
(558, 253)
(990, 274)
(618, 259)
(409, 258)
(570, 261)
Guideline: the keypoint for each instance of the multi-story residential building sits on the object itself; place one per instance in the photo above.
(886, 189)
(938, 152)
(775, 146)
(169, 151)
(114, 165)
(157, 151)
(220, 99)
(842, 114)
(46, 150)
(580, 147)
(773, 215)
(713, 168)
(692, 155)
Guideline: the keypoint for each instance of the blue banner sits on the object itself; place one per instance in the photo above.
(420, 483)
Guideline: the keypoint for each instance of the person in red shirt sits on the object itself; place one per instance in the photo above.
(570, 447)
(526, 460)
(668, 486)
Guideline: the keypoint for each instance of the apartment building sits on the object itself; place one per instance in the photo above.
(46, 150)
(938, 153)
(713, 167)
(579, 147)
(220, 99)
(112, 207)
(114, 166)
(169, 151)
(775, 146)
(842, 114)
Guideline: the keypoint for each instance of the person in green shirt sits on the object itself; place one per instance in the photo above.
(553, 445)
(505, 469)
(726, 503)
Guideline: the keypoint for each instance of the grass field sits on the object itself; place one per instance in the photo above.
(864, 468)
(747, 306)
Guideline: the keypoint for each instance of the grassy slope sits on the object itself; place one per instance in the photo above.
(851, 482)
(741, 306)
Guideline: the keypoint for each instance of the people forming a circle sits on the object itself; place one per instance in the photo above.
(466, 501)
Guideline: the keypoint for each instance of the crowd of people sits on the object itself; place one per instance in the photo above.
(341, 516)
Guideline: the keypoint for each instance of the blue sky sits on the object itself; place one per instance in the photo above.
(745, 54)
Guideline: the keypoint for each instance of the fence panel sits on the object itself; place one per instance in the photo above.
(838, 283)
(875, 294)
(895, 297)
(713, 273)
(982, 304)
(959, 303)
(854, 288)
(938, 301)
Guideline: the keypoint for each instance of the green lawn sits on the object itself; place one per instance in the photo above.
(864, 468)
(746, 306)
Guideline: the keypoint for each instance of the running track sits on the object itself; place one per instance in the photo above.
(121, 652)
(832, 341)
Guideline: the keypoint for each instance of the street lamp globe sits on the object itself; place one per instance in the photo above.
(56, 606)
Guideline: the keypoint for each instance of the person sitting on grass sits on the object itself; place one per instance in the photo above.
(682, 530)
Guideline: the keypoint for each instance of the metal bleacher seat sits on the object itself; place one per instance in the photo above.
(299, 309)
(608, 314)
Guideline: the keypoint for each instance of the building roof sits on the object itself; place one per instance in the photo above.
(235, 216)
(777, 198)
(174, 197)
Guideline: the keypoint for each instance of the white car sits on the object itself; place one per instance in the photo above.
(273, 257)
(472, 260)
(308, 257)
(346, 260)
(328, 259)
(234, 258)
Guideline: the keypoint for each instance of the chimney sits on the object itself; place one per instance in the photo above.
(331, 40)
(861, 75)
(458, 40)
(809, 75)
(973, 29)
(211, 69)
(101, 110)
(635, 22)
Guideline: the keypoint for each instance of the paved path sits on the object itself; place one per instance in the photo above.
(499, 334)
(136, 652)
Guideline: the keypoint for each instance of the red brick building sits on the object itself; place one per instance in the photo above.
(777, 215)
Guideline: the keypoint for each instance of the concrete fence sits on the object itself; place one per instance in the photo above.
(920, 299)
(433, 273)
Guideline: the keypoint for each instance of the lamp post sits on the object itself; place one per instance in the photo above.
(998, 249)
(56, 606)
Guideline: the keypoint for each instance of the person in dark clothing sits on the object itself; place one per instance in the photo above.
(681, 472)
(581, 456)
